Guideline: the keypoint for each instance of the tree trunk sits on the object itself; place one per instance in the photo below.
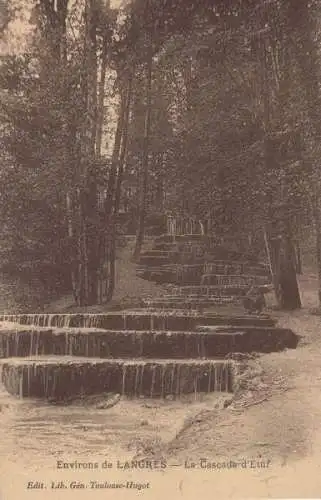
(275, 256)
(101, 253)
(71, 246)
(144, 178)
(123, 150)
(298, 259)
(303, 28)
(115, 160)
(87, 179)
(272, 244)
(317, 224)
(289, 290)
(90, 192)
(107, 253)
(284, 273)
(101, 98)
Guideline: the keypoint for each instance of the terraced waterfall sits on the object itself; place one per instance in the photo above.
(173, 346)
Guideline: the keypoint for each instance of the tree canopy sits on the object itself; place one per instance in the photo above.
(199, 108)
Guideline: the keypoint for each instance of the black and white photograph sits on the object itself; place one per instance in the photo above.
(160, 249)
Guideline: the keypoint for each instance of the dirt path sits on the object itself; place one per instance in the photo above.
(275, 427)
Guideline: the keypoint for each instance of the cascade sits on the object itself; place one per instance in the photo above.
(142, 368)
(137, 380)
(115, 352)
(172, 380)
(195, 389)
(124, 372)
(153, 381)
(209, 379)
(21, 394)
(58, 377)
(16, 343)
(178, 380)
(163, 373)
(87, 347)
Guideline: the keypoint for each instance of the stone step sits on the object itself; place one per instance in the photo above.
(205, 342)
(157, 274)
(233, 268)
(154, 260)
(164, 246)
(190, 302)
(63, 377)
(226, 253)
(160, 257)
(168, 238)
(232, 280)
(210, 290)
(174, 260)
(195, 296)
(256, 338)
(160, 253)
(188, 274)
(172, 273)
(157, 268)
(142, 319)
(211, 259)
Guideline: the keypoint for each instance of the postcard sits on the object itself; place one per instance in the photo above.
(160, 249)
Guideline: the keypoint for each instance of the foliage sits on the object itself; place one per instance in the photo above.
(214, 121)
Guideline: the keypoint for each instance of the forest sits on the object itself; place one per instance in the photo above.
(206, 109)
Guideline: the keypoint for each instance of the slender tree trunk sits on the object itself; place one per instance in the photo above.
(101, 254)
(71, 246)
(90, 193)
(289, 290)
(298, 259)
(101, 98)
(303, 27)
(317, 224)
(144, 177)
(115, 160)
(107, 254)
(284, 274)
(123, 150)
(272, 245)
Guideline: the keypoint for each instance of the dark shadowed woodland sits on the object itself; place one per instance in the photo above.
(114, 119)
(160, 239)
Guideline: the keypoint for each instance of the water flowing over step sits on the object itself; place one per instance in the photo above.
(141, 352)
(216, 283)
(168, 347)
(212, 282)
(210, 290)
(159, 274)
(216, 267)
(142, 319)
(172, 273)
(162, 263)
(192, 302)
(60, 378)
(246, 280)
(170, 238)
(159, 253)
(201, 296)
(206, 342)
(155, 260)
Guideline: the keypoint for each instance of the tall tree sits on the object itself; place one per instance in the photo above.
(303, 25)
